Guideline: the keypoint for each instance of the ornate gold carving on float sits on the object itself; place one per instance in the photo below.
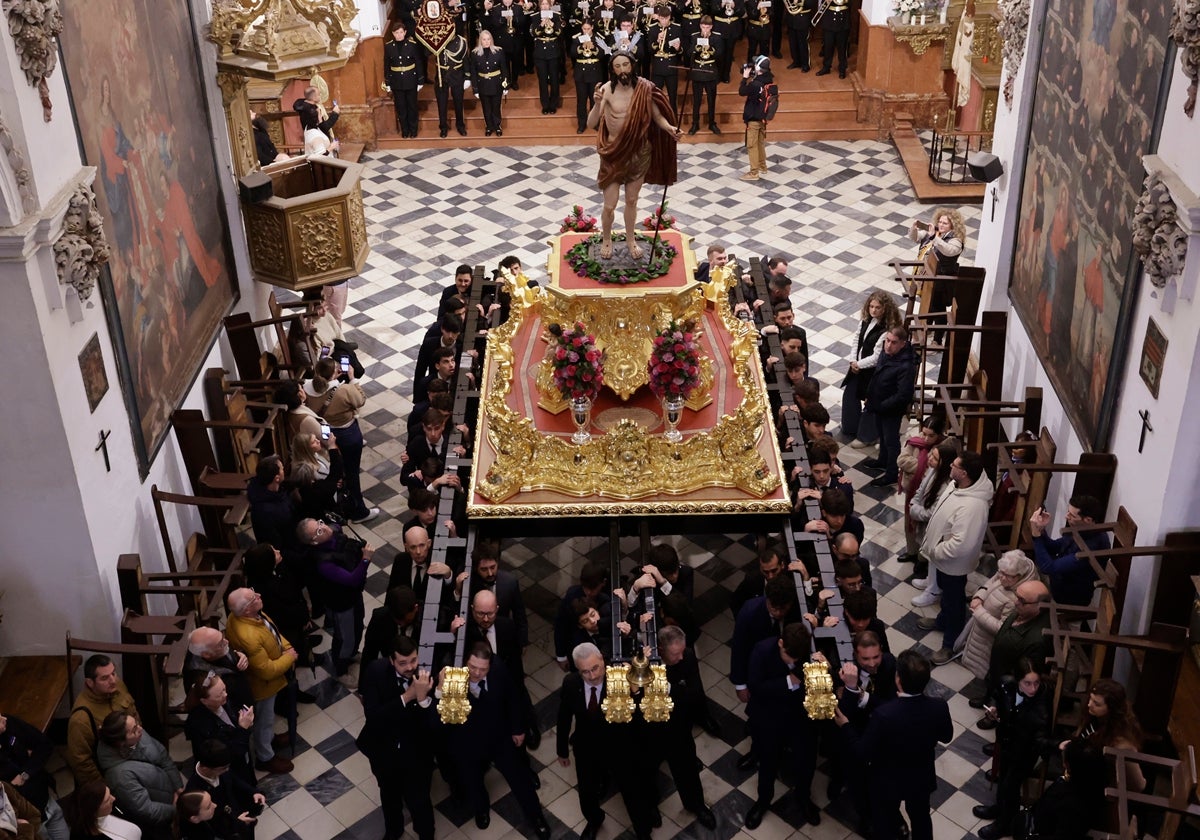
(819, 700)
(454, 707)
(628, 463)
(617, 704)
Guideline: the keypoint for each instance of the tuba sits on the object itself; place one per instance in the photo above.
(794, 7)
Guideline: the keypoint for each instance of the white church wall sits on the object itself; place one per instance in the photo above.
(65, 518)
(1158, 486)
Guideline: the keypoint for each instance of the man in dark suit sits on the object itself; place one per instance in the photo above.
(491, 735)
(463, 276)
(673, 739)
(778, 718)
(898, 749)
(754, 583)
(499, 633)
(449, 334)
(603, 750)
(593, 583)
(411, 567)
(487, 574)
(760, 619)
(396, 736)
(398, 615)
(433, 442)
(673, 587)
(865, 684)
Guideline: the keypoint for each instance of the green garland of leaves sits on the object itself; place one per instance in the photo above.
(579, 258)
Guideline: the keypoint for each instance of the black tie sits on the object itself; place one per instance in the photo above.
(594, 703)
(775, 626)
(418, 579)
(482, 689)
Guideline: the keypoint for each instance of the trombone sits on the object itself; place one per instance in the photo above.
(822, 7)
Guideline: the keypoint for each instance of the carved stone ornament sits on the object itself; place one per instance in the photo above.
(82, 248)
(34, 25)
(1014, 29)
(1185, 31)
(20, 169)
(1157, 234)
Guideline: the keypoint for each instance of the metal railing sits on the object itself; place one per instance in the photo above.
(948, 151)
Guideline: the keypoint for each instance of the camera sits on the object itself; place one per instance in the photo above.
(749, 65)
(255, 809)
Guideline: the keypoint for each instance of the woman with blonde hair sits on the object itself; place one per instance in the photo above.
(944, 238)
(317, 473)
(879, 314)
(942, 243)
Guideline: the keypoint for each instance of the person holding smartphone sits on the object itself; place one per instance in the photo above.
(337, 403)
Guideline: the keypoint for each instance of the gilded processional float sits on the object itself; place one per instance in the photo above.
(624, 390)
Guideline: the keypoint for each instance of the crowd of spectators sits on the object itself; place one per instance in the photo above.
(308, 569)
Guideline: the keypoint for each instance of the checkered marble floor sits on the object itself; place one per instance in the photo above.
(839, 212)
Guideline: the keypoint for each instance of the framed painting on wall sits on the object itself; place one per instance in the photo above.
(141, 116)
(1095, 113)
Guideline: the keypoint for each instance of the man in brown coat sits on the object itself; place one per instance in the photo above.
(103, 693)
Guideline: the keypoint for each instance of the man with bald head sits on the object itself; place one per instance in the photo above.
(209, 650)
(1021, 635)
(271, 659)
(412, 567)
(499, 632)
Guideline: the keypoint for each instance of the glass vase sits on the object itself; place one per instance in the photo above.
(672, 411)
(581, 413)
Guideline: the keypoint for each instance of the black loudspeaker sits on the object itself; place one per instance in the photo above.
(255, 187)
(984, 166)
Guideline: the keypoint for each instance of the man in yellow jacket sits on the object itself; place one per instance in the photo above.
(103, 693)
(271, 658)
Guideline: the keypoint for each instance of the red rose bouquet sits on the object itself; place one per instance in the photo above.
(578, 363)
(578, 222)
(674, 366)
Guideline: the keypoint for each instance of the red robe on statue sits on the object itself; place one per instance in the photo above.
(623, 157)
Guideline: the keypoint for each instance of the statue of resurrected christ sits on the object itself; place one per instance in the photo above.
(636, 143)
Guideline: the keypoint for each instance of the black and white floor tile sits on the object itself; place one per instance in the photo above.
(839, 212)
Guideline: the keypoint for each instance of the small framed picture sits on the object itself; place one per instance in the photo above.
(91, 365)
(1154, 352)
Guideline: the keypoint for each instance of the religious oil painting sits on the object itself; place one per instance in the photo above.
(1094, 116)
(135, 82)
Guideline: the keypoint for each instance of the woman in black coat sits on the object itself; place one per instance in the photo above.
(213, 716)
(1022, 738)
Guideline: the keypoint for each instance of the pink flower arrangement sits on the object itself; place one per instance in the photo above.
(674, 366)
(663, 219)
(578, 222)
(578, 363)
